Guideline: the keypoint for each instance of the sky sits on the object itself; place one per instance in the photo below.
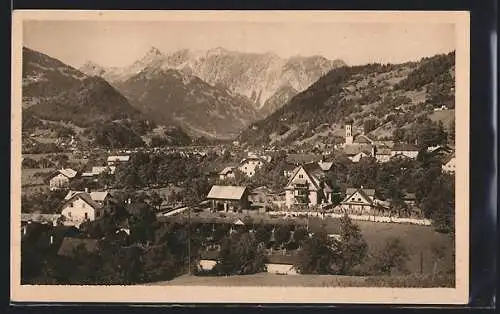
(120, 43)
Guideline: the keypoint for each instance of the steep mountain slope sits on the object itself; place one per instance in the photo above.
(53, 90)
(169, 96)
(255, 76)
(393, 96)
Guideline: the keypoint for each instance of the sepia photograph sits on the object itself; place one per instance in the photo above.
(236, 154)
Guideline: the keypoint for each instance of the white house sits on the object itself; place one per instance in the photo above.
(83, 206)
(449, 164)
(358, 156)
(407, 150)
(227, 173)
(358, 201)
(306, 187)
(249, 165)
(116, 160)
(60, 179)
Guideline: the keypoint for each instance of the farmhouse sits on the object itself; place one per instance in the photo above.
(227, 173)
(249, 165)
(60, 179)
(358, 201)
(406, 150)
(306, 187)
(117, 160)
(228, 198)
(83, 206)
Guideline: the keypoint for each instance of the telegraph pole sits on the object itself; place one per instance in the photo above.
(189, 240)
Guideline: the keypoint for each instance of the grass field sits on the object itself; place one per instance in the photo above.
(266, 279)
(28, 176)
(422, 242)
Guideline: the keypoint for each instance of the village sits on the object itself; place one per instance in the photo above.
(233, 194)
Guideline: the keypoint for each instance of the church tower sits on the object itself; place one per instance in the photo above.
(348, 134)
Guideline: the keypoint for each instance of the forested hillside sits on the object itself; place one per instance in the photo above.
(391, 96)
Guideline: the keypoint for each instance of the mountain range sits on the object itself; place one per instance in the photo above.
(266, 79)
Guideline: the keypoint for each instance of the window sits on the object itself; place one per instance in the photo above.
(97, 214)
(83, 205)
(69, 214)
(359, 199)
(70, 204)
(301, 176)
(86, 216)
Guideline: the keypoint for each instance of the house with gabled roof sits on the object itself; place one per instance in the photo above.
(406, 150)
(449, 163)
(82, 206)
(306, 187)
(228, 198)
(250, 165)
(358, 201)
(60, 178)
(227, 173)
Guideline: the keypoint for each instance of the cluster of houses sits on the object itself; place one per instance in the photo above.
(60, 179)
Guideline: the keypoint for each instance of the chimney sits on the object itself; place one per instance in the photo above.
(86, 190)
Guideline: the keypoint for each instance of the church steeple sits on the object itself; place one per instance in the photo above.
(348, 133)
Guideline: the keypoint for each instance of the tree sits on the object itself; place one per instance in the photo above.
(352, 246)
(319, 255)
(369, 125)
(240, 255)
(262, 235)
(392, 257)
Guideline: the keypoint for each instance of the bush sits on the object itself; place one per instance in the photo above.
(392, 257)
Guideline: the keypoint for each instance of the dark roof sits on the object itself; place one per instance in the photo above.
(368, 192)
(355, 149)
(69, 245)
(362, 139)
